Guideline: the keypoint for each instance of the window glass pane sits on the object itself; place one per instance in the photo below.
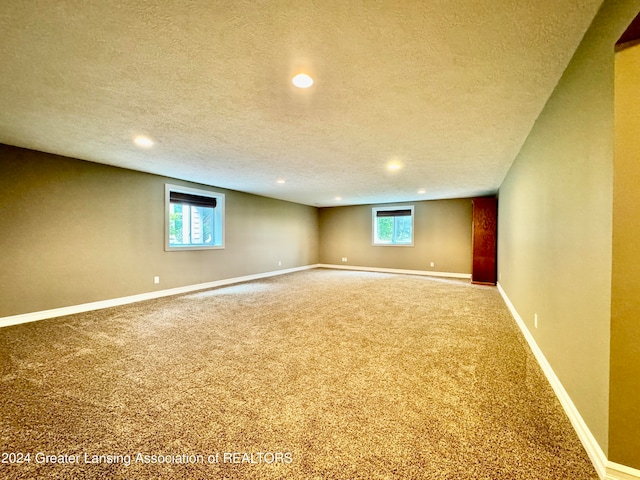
(384, 230)
(189, 225)
(402, 230)
(201, 225)
(176, 234)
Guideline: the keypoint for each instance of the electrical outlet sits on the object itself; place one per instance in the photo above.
(279, 263)
(344, 259)
(432, 264)
(535, 320)
(156, 279)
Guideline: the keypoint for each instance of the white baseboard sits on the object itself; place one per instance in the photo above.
(428, 273)
(606, 470)
(615, 471)
(114, 302)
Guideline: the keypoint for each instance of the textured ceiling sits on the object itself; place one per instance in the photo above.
(448, 88)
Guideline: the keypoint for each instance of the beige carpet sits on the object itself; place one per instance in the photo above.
(318, 374)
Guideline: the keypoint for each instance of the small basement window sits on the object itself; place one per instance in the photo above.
(393, 225)
(194, 219)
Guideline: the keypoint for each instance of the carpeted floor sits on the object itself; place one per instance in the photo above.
(313, 375)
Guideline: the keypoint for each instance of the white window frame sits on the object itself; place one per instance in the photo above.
(374, 225)
(218, 217)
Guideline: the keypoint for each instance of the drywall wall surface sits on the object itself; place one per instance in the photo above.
(442, 236)
(554, 233)
(624, 437)
(77, 232)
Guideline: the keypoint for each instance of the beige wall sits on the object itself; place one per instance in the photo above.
(442, 234)
(76, 232)
(555, 227)
(625, 306)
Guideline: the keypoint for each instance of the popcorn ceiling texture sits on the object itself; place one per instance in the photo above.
(354, 374)
(449, 88)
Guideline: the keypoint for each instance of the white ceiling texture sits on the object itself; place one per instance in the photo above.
(446, 89)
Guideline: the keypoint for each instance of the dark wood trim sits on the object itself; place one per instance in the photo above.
(631, 35)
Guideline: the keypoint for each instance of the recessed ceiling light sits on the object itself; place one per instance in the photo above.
(422, 191)
(394, 166)
(302, 80)
(338, 198)
(142, 141)
(280, 180)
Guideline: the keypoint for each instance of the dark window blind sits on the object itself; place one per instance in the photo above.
(394, 213)
(190, 199)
